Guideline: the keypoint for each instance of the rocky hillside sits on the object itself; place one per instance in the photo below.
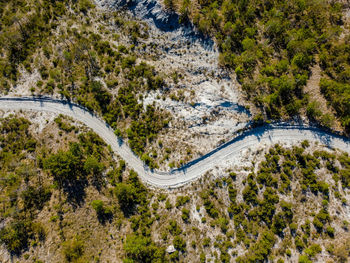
(153, 85)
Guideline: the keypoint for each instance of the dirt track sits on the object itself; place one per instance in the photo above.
(267, 135)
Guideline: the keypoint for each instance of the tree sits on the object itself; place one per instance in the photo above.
(185, 214)
(94, 168)
(73, 249)
(142, 249)
(127, 196)
(313, 110)
(66, 167)
(35, 197)
(279, 224)
(179, 243)
(16, 236)
(102, 211)
(261, 249)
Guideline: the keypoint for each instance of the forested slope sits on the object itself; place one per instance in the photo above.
(273, 45)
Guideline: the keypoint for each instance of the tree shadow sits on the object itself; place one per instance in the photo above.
(75, 191)
(105, 217)
(129, 210)
(98, 182)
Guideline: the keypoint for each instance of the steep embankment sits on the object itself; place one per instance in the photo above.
(204, 99)
(231, 151)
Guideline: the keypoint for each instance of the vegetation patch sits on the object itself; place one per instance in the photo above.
(272, 47)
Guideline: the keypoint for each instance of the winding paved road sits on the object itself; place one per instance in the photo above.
(266, 135)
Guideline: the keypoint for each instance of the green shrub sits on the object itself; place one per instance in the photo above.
(16, 236)
(223, 224)
(181, 200)
(288, 253)
(185, 214)
(313, 110)
(206, 242)
(279, 224)
(142, 249)
(298, 243)
(126, 195)
(260, 250)
(313, 250)
(73, 249)
(168, 204)
(101, 210)
(250, 193)
(174, 228)
(318, 224)
(293, 228)
(330, 231)
(179, 244)
(66, 167)
(35, 197)
(93, 167)
(304, 259)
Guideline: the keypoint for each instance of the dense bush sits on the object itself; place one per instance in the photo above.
(16, 236)
(79, 164)
(185, 214)
(126, 195)
(209, 204)
(174, 228)
(180, 244)
(142, 249)
(63, 125)
(35, 197)
(73, 249)
(260, 250)
(263, 206)
(15, 137)
(103, 212)
(181, 200)
(250, 191)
